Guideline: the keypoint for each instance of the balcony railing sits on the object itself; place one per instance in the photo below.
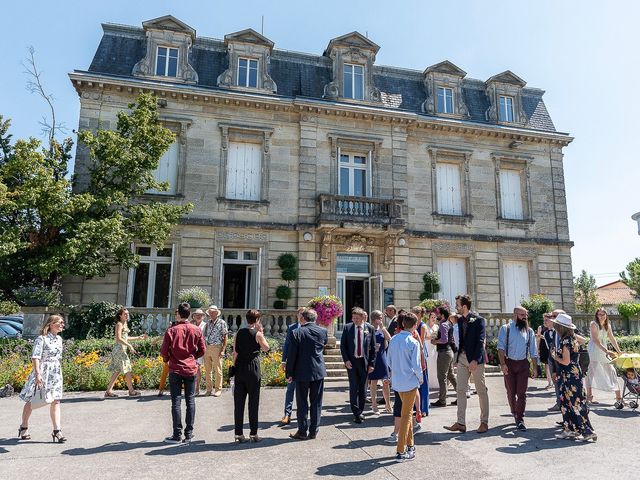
(359, 209)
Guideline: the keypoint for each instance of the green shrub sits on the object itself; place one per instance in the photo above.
(35, 295)
(431, 281)
(537, 305)
(98, 320)
(287, 261)
(196, 297)
(8, 307)
(283, 292)
(629, 310)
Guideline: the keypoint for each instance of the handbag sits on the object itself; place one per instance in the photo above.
(41, 398)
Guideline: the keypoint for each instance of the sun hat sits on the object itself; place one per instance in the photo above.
(564, 320)
(199, 311)
(213, 307)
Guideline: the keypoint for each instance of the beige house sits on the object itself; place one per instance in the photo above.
(371, 175)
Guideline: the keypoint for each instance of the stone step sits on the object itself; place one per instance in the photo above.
(336, 379)
(336, 372)
(333, 358)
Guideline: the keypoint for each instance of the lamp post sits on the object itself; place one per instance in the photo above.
(636, 217)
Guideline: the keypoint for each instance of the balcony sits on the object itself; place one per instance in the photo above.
(341, 209)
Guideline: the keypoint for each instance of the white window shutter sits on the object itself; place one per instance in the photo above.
(449, 195)
(511, 194)
(244, 171)
(232, 170)
(167, 170)
(516, 283)
(453, 278)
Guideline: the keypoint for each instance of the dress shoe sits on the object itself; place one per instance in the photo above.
(358, 419)
(286, 420)
(454, 403)
(457, 427)
(437, 404)
(298, 436)
(483, 428)
(312, 436)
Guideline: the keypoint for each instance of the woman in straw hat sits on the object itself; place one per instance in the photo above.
(573, 402)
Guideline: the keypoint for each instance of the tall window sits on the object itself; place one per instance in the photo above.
(240, 278)
(506, 109)
(150, 282)
(516, 283)
(167, 62)
(353, 179)
(445, 100)
(244, 171)
(449, 193)
(247, 72)
(353, 81)
(511, 194)
(167, 170)
(453, 277)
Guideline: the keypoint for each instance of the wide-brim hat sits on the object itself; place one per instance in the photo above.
(564, 320)
(199, 311)
(213, 307)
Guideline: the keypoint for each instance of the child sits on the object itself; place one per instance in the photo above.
(632, 379)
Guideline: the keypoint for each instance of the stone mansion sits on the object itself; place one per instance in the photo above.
(371, 175)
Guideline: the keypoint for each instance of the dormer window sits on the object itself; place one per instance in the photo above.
(167, 62)
(445, 100)
(247, 72)
(506, 109)
(353, 81)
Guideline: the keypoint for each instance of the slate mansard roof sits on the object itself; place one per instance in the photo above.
(305, 75)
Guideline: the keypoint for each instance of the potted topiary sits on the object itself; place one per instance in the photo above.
(431, 286)
(196, 297)
(288, 263)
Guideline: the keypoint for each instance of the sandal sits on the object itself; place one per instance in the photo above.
(57, 437)
(26, 436)
(134, 393)
(110, 395)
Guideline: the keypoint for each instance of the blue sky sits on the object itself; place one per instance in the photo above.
(583, 53)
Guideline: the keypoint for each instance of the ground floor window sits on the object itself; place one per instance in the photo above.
(515, 277)
(240, 278)
(453, 278)
(150, 283)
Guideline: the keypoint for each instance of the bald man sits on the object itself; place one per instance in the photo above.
(516, 345)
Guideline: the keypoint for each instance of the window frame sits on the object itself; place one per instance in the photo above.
(153, 260)
(444, 154)
(521, 164)
(247, 197)
(248, 77)
(444, 89)
(352, 67)
(166, 61)
(352, 167)
(256, 263)
(508, 109)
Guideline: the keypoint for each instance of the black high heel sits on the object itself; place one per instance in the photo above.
(23, 429)
(57, 437)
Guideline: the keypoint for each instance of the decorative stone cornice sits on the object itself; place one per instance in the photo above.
(88, 83)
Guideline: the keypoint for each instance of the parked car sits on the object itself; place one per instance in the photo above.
(7, 331)
(17, 325)
(13, 318)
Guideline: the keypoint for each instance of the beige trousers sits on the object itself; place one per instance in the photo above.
(463, 380)
(213, 360)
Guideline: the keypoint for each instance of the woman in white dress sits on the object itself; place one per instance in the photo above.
(47, 375)
(601, 374)
(432, 360)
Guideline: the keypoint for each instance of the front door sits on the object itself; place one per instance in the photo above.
(352, 284)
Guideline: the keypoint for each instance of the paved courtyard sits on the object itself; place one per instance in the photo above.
(122, 438)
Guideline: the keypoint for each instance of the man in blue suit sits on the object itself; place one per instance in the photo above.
(291, 387)
(358, 349)
(471, 360)
(305, 366)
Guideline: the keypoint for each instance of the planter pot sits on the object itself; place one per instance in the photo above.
(34, 302)
(280, 304)
(331, 334)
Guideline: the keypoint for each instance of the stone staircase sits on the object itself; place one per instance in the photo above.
(336, 372)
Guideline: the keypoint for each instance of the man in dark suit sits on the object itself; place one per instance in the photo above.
(305, 366)
(358, 349)
(291, 387)
(471, 360)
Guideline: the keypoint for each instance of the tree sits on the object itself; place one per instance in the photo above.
(632, 276)
(50, 227)
(584, 287)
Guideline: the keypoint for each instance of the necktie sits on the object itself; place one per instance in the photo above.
(359, 347)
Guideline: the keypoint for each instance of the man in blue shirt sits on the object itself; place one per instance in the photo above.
(516, 344)
(403, 356)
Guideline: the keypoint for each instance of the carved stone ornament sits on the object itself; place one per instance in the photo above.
(514, 251)
(170, 32)
(458, 248)
(508, 84)
(325, 248)
(389, 244)
(241, 236)
(444, 74)
(248, 44)
(357, 243)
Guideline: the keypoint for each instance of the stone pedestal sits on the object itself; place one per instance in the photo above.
(33, 320)
(331, 334)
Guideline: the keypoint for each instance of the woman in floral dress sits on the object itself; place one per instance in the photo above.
(47, 375)
(120, 363)
(573, 402)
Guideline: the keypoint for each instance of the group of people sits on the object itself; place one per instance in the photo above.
(395, 348)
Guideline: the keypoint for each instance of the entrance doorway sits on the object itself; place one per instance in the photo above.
(240, 285)
(356, 294)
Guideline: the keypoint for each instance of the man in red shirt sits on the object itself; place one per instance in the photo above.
(183, 343)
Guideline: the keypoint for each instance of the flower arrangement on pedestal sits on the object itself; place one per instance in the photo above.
(329, 307)
(431, 304)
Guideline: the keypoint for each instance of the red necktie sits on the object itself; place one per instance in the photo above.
(359, 349)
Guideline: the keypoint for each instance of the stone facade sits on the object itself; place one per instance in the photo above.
(301, 136)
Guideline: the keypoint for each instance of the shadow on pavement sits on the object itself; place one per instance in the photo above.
(540, 439)
(112, 447)
(349, 469)
(200, 446)
(602, 412)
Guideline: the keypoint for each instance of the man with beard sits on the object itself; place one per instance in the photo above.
(516, 344)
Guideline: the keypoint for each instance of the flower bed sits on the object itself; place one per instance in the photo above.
(85, 364)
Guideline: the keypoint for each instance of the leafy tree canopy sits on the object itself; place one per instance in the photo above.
(585, 289)
(631, 276)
